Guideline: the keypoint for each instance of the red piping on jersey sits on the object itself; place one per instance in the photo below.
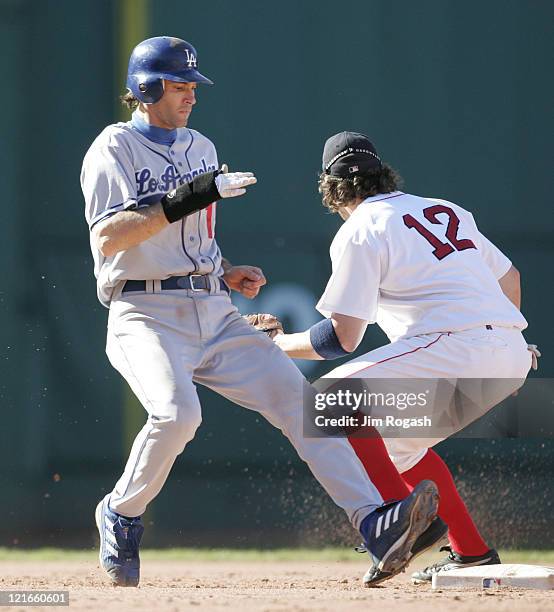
(209, 220)
(401, 354)
(388, 198)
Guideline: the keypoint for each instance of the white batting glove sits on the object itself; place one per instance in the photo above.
(232, 184)
(535, 354)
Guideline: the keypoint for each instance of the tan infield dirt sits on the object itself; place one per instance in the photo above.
(272, 586)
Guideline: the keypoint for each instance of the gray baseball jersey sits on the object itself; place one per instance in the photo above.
(163, 342)
(124, 170)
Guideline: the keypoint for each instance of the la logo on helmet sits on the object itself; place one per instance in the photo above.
(191, 59)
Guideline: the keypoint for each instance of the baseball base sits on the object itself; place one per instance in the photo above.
(496, 576)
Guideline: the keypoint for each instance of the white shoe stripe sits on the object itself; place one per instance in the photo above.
(109, 524)
(379, 524)
(110, 538)
(387, 519)
(111, 549)
(396, 511)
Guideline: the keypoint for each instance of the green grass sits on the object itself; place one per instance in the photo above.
(224, 554)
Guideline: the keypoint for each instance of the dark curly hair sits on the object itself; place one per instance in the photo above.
(339, 192)
(129, 100)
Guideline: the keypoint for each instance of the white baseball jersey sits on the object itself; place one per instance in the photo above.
(124, 170)
(416, 266)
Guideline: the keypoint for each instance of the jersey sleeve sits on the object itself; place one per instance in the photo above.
(107, 181)
(353, 289)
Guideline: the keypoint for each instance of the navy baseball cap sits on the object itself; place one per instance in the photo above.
(348, 153)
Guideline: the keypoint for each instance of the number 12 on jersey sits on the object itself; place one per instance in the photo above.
(441, 249)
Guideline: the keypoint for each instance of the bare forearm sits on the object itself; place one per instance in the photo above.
(511, 286)
(331, 342)
(129, 228)
(297, 346)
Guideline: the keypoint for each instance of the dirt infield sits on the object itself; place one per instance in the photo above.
(253, 586)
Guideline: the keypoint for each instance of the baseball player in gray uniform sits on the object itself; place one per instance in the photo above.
(150, 187)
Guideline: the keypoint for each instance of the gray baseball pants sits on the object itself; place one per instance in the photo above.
(163, 343)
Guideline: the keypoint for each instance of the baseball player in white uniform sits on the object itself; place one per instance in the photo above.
(150, 187)
(447, 299)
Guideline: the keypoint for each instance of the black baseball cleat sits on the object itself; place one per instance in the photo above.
(454, 561)
(391, 531)
(435, 533)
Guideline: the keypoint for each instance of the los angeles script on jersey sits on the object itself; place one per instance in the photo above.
(168, 180)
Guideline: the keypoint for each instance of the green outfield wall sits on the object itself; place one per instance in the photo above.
(456, 96)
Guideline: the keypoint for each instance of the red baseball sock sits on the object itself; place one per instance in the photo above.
(372, 452)
(462, 532)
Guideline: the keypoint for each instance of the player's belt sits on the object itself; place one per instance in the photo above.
(194, 282)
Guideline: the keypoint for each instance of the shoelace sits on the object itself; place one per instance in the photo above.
(438, 564)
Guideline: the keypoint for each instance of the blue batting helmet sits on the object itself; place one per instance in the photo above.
(162, 57)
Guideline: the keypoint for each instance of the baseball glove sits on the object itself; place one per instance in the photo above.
(266, 323)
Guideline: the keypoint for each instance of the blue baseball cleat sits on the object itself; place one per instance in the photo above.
(391, 531)
(119, 544)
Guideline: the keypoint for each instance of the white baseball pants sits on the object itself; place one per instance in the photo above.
(479, 353)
